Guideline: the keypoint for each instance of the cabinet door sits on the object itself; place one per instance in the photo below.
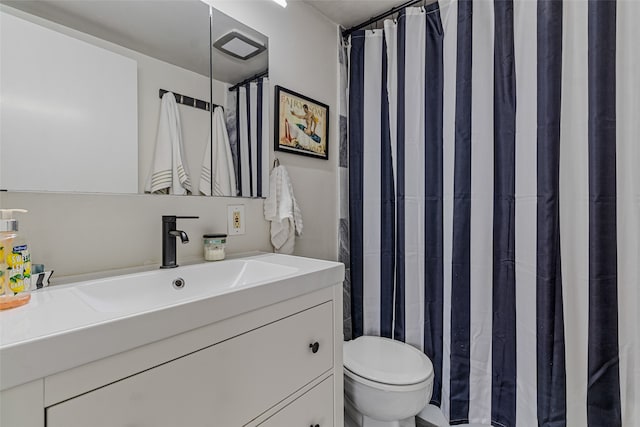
(225, 385)
(314, 408)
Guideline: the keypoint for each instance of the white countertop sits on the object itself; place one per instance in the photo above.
(67, 326)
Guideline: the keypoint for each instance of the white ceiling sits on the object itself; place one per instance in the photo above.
(348, 13)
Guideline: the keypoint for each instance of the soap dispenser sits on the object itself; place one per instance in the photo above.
(15, 262)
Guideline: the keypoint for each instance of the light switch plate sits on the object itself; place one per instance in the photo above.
(235, 219)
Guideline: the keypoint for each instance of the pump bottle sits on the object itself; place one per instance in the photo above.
(15, 262)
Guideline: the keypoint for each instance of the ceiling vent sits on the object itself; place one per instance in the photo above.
(238, 45)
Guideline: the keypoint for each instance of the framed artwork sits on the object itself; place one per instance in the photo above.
(302, 124)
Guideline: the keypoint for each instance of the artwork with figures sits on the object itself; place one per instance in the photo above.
(302, 124)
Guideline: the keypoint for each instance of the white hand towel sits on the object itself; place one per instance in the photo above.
(283, 211)
(224, 178)
(169, 171)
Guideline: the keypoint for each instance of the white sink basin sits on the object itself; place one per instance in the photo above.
(81, 322)
(154, 289)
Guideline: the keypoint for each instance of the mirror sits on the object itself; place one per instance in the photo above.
(81, 88)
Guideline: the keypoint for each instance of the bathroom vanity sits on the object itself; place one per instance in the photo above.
(255, 341)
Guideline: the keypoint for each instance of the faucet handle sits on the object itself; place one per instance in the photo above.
(172, 218)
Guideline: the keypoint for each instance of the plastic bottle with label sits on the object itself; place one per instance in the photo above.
(15, 262)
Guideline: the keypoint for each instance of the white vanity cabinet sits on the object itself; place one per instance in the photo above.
(314, 408)
(226, 384)
(276, 366)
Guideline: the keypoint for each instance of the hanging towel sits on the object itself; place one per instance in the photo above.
(282, 210)
(169, 171)
(224, 178)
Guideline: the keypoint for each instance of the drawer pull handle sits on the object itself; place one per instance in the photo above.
(314, 425)
(314, 349)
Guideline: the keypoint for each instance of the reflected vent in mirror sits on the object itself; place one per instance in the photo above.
(238, 45)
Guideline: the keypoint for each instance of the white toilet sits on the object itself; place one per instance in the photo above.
(386, 382)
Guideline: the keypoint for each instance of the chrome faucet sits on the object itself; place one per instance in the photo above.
(169, 234)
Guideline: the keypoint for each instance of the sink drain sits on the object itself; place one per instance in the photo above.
(178, 283)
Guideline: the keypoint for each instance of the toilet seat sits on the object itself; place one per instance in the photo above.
(384, 363)
(388, 387)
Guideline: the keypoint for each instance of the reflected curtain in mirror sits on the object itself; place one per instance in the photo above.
(248, 122)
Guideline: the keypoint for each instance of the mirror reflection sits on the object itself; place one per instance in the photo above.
(82, 102)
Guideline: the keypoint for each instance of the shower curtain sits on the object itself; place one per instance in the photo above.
(494, 204)
(248, 124)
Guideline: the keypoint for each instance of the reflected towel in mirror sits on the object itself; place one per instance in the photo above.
(168, 173)
(224, 178)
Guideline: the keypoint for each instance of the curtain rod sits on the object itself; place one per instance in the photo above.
(249, 80)
(346, 33)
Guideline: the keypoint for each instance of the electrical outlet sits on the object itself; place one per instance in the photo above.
(235, 219)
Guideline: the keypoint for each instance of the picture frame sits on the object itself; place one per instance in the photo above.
(302, 124)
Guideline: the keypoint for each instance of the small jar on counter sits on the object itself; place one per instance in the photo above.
(214, 245)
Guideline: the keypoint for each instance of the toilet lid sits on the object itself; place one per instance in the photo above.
(386, 361)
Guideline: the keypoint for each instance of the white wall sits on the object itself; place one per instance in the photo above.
(75, 233)
(83, 233)
(303, 57)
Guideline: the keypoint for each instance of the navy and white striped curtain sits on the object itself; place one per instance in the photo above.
(250, 138)
(494, 204)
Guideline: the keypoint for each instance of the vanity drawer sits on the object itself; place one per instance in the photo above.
(314, 408)
(227, 384)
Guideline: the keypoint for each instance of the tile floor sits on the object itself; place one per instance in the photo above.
(422, 423)
(432, 417)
